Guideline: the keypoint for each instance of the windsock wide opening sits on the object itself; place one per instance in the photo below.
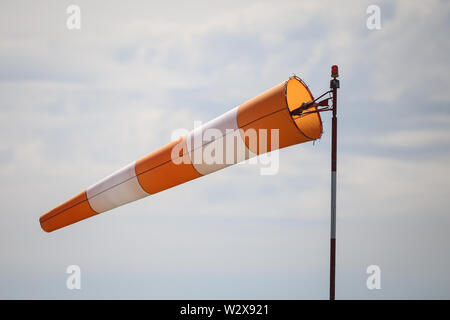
(310, 124)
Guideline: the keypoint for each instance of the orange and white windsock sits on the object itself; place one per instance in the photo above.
(236, 136)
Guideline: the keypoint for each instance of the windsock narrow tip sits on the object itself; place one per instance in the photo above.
(71, 211)
(43, 224)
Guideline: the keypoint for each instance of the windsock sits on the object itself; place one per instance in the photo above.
(182, 160)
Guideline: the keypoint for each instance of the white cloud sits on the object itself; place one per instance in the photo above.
(415, 138)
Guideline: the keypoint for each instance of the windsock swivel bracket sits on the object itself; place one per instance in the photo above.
(334, 84)
(307, 105)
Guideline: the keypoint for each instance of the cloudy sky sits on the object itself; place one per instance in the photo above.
(76, 105)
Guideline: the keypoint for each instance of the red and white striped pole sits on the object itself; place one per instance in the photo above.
(334, 85)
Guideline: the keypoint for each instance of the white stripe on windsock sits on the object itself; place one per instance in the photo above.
(221, 138)
(115, 190)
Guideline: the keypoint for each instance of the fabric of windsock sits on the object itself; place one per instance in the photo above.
(259, 125)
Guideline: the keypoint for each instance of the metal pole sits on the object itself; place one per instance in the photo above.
(334, 85)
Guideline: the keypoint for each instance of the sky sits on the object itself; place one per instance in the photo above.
(76, 105)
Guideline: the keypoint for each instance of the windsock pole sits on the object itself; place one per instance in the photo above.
(334, 85)
(302, 110)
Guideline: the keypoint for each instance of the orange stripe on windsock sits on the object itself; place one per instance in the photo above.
(157, 171)
(71, 211)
